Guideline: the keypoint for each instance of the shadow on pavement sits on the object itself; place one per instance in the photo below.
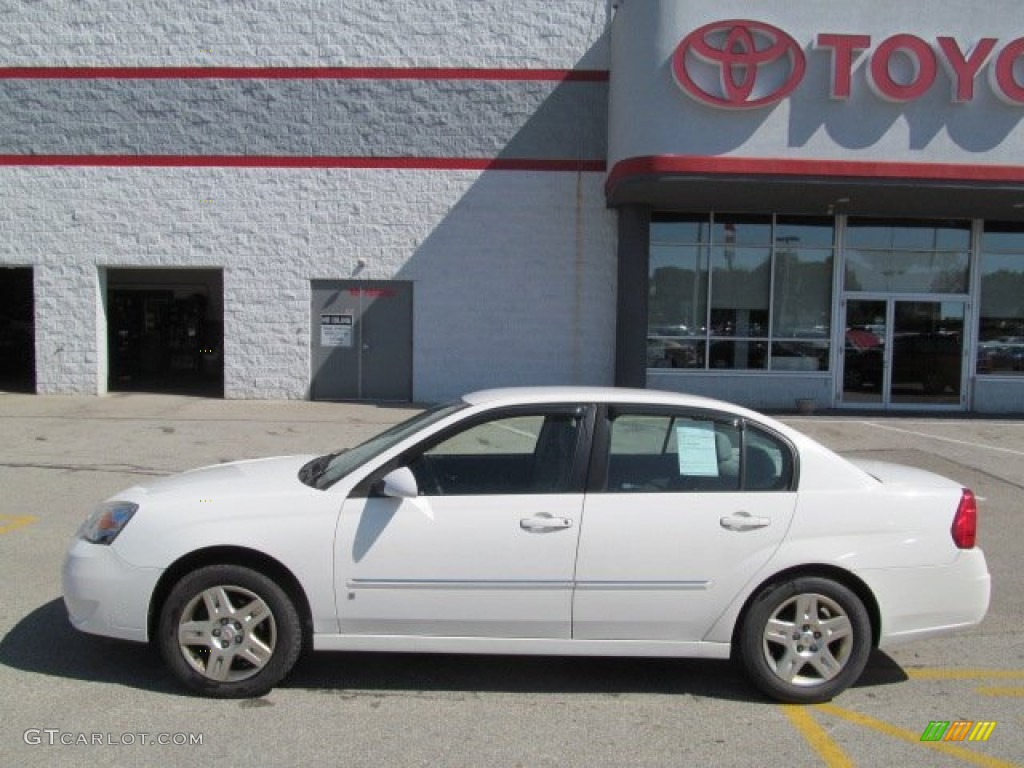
(370, 673)
(45, 643)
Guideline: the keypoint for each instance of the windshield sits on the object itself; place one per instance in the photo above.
(326, 470)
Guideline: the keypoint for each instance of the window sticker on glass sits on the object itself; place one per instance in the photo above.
(698, 455)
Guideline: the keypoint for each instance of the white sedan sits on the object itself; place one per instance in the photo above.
(577, 521)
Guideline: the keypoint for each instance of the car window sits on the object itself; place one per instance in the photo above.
(675, 453)
(768, 464)
(324, 471)
(672, 452)
(515, 436)
(520, 453)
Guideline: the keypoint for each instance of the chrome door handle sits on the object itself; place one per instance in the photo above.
(744, 521)
(544, 522)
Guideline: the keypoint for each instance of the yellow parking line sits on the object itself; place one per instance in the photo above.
(999, 691)
(914, 738)
(10, 523)
(939, 673)
(816, 736)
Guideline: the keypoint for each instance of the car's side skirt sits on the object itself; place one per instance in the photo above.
(520, 646)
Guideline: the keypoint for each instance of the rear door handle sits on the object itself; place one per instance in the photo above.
(744, 521)
(544, 522)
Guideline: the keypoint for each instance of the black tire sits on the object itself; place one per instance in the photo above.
(227, 631)
(805, 641)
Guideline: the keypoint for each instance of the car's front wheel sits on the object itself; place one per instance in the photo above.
(229, 631)
(804, 641)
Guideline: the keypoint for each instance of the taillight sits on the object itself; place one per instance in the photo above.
(965, 521)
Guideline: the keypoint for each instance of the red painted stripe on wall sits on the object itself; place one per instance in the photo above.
(300, 73)
(850, 169)
(242, 161)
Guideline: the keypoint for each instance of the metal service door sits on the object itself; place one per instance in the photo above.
(361, 340)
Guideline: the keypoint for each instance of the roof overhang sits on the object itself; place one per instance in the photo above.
(822, 187)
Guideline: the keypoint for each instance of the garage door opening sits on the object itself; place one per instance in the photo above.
(17, 330)
(165, 331)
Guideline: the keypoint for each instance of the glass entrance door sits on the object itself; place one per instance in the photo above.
(864, 363)
(903, 353)
(927, 353)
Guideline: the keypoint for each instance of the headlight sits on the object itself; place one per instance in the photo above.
(103, 525)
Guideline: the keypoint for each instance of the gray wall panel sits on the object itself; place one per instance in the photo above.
(374, 118)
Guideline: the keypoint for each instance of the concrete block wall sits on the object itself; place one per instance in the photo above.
(513, 269)
(385, 33)
(504, 291)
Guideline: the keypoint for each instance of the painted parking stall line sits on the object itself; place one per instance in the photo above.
(1000, 690)
(880, 726)
(816, 736)
(939, 735)
(833, 755)
(968, 443)
(940, 673)
(9, 523)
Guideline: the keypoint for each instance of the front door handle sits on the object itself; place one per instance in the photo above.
(744, 521)
(544, 522)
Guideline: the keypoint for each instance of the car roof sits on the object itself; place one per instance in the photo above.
(527, 395)
(588, 394)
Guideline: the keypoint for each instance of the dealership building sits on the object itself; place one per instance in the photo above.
(766, 202)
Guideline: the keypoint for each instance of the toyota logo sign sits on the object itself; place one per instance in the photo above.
(738, 64)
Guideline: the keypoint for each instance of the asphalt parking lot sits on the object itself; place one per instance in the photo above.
(74, 699)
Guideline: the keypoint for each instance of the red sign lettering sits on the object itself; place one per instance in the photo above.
(1004, 82)
(921, 58)
(843, 47)
(963, 71)
(900, 68)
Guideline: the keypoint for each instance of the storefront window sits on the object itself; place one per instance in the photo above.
(740, 293)
(909, 257)
(1001, 325)
(677, 308)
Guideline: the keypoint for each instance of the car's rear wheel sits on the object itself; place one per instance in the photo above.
(229, 631)
(806, 640)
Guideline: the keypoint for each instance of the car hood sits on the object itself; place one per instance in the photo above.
(251, 477)
(899, 474)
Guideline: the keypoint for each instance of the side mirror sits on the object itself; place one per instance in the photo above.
(399, 484)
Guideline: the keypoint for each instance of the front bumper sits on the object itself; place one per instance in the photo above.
(105, 595)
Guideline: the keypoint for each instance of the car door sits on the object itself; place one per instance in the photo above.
(685, 506)
(487, 549)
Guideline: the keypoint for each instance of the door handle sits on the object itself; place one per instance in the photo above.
(544, 522)
(744, 521)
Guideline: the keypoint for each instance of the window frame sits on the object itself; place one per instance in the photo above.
(764, 347)
(600, 455)
(986, 249)
(854, 224)
(369, 486)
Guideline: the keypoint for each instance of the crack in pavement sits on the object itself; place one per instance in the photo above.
(117, 469)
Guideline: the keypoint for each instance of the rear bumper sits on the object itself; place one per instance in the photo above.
(917, 603)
